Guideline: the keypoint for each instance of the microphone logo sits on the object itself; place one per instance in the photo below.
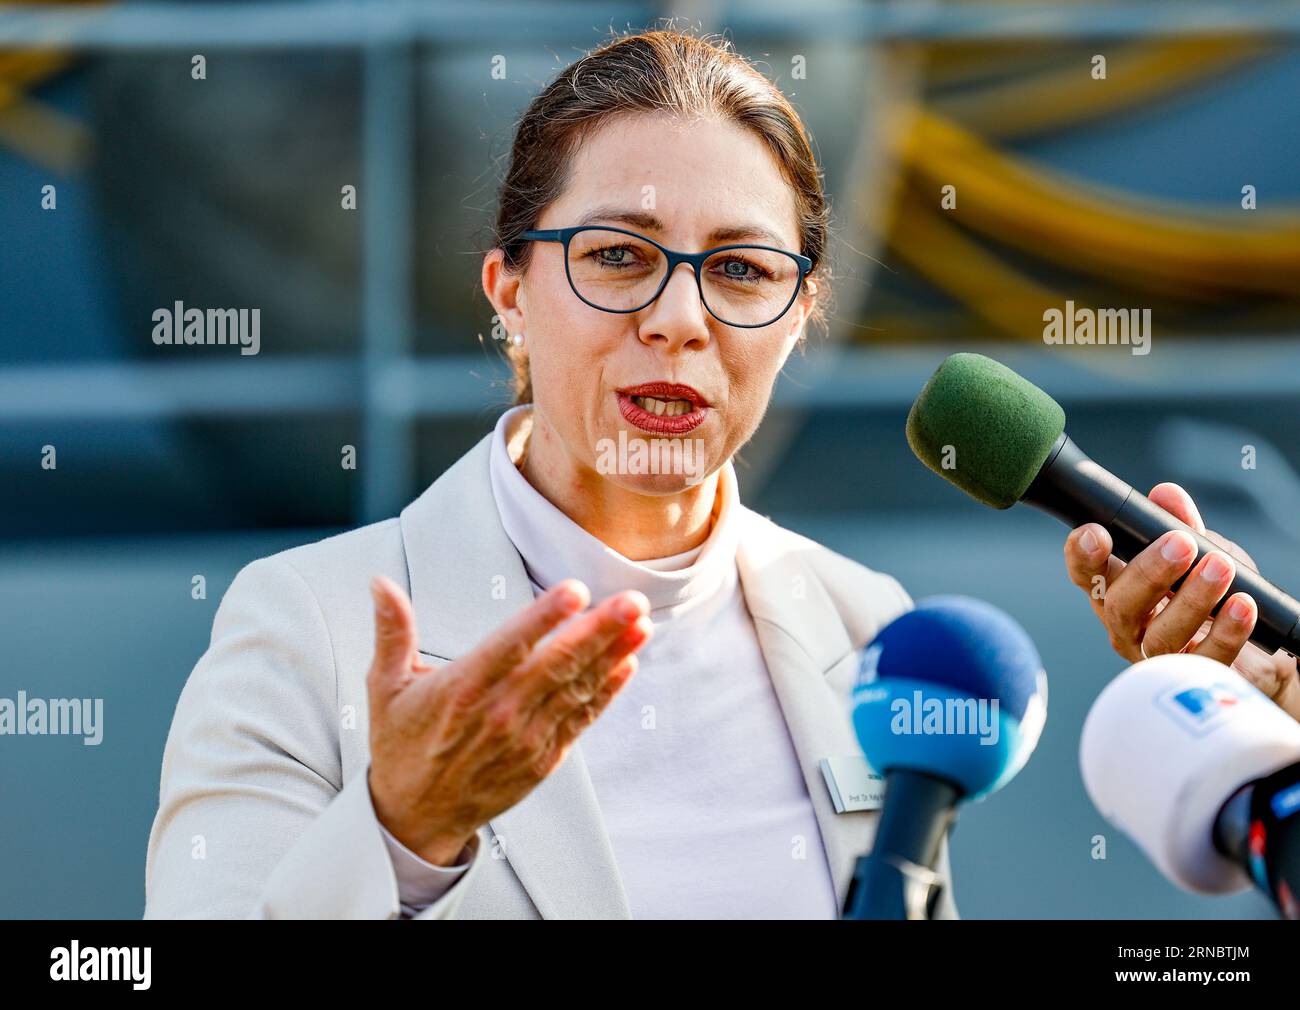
(869, 665)
(1201, 709)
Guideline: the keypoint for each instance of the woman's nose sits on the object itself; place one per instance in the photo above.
(678, 314)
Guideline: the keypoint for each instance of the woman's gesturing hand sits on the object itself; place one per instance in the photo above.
(453, 746)
(1145, 618)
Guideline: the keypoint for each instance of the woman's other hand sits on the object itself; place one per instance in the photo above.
(453, 746)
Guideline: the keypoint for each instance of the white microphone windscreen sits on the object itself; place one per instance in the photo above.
(1166, 744)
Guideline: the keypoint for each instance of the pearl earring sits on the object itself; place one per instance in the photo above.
(517, 339)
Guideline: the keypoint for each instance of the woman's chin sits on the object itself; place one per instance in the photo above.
(657, 484)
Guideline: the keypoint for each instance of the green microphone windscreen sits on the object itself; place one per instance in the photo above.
(984, 428)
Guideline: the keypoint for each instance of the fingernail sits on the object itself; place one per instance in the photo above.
(381, 599)
(1238, 610)
(1216, 568)
(1089, 541)
(629, 608)
(1176, 547)
(568, 598)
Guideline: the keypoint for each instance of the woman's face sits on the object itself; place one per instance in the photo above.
(681, 184)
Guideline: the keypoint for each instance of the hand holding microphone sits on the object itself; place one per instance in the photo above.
(1147, 617)
(1001, 439)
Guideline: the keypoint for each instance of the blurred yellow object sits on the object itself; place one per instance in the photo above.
(1065, 94)
(1164, 248)
(1184, 257)
(39, 133)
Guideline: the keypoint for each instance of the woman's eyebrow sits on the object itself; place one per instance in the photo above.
(632, 218)
(649, 222)
(744, 232)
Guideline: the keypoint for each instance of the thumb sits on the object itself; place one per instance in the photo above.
(395, 635)
(1174, 500)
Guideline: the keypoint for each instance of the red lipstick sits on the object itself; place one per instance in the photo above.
(663, 424)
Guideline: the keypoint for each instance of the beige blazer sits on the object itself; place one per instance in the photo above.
(264, 808)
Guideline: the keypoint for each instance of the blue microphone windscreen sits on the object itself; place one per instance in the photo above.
(954, 688)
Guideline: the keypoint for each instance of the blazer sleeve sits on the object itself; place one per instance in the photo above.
(254, 819)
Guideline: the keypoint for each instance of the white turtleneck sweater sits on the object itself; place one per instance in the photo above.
(692, 763)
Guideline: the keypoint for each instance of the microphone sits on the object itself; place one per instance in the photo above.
(1001, 439)
(1202, 771)
(949, 702)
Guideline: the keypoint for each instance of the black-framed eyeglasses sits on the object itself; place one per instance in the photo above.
(617, 270)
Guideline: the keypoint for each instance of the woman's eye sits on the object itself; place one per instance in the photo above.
(613, 254)
(742, 270)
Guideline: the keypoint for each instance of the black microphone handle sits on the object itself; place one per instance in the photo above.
(895, 880)
(1076, 490)
(1264, 840)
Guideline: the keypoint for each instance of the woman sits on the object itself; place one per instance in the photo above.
(450, 781)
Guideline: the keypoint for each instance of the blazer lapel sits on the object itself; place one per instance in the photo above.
(555, 838)
(466, 579)
(802, 638)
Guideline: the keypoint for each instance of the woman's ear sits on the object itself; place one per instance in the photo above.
(505, 290)
(802, 309)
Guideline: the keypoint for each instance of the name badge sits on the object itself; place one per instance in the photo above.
(853, 784)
